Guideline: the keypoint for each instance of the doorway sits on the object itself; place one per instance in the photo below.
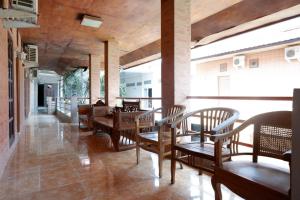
(11, 100)
(41, 100)
(223, 85)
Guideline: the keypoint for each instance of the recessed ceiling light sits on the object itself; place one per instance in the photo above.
(91, 21)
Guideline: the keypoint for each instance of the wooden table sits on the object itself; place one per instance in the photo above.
(121, 128)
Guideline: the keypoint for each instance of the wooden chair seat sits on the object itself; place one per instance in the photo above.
(264, 175)
(189, 141)
(206, 150)
(153, 137)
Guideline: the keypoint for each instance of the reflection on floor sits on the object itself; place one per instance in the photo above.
(55, 161)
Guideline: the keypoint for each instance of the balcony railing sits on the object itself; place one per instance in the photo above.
(248, 106)
(147, 103)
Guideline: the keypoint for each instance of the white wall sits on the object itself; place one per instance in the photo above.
(139, 91)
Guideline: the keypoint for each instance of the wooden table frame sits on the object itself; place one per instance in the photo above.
(121, 128)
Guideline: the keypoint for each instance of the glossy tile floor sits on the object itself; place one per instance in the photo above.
(55, 161)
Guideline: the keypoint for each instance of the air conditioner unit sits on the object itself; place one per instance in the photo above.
(21, 14)
(239, 62)
(25, 5)
(292, 53)
(31, 56)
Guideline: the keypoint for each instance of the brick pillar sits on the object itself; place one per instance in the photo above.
(112, 74)
(175, 51)
(295, 180)
(94, 74)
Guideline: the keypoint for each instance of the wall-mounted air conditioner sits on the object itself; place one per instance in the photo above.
(20, 14)
(25, 5)
(239, 62)
(32, 55)
(292, 53)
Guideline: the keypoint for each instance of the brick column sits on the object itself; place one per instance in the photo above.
(295, 180)
(175, 51)
(112, 74)
(94, 74)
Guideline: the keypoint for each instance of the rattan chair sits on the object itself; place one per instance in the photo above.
(192, 147)
(156, 136)
(272, 137)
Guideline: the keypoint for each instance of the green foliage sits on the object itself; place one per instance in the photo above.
(122, 89)
(76, 83)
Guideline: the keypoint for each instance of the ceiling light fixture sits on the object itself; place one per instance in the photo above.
(91, 21)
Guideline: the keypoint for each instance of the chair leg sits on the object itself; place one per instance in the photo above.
(160, 163)
(173, 167)
(217, 188)
(137, 153)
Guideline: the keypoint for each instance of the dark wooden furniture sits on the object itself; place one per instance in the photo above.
(156, 136)
(121, 128)
(129, 106)
(192, 147)
(85, 115)
(272, 135)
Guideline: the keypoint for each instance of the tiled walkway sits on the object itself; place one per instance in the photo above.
(54, 161)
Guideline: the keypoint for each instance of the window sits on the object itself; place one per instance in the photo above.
(130, 84)
(223, 67)
(147, 82)
(253, 63)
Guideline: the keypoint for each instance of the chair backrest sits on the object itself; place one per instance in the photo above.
(176, 111)
(212, 117)
(84, 109)
(131, 106)
(272, 134)
(207, 120)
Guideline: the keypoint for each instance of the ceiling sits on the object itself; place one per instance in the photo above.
(64, 43)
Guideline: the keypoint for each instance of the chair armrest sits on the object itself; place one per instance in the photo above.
(165, 121)
(227, 135)
(146, 119)
(147, 113)
(226, 123)
(287, 156)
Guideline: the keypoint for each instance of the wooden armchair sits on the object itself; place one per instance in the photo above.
(84, 115)
(192, 147)
(257, 180)
(156, 136)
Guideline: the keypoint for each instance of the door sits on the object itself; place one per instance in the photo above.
(223, 85)
(150, 100)
(41, 95)
(11, 122)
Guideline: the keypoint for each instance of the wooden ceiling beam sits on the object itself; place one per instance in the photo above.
(240, 13)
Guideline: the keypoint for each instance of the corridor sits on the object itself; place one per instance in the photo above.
(54, 160)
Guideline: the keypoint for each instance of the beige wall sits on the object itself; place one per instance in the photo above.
(274, 77)
(5, 149)
(94, 74)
